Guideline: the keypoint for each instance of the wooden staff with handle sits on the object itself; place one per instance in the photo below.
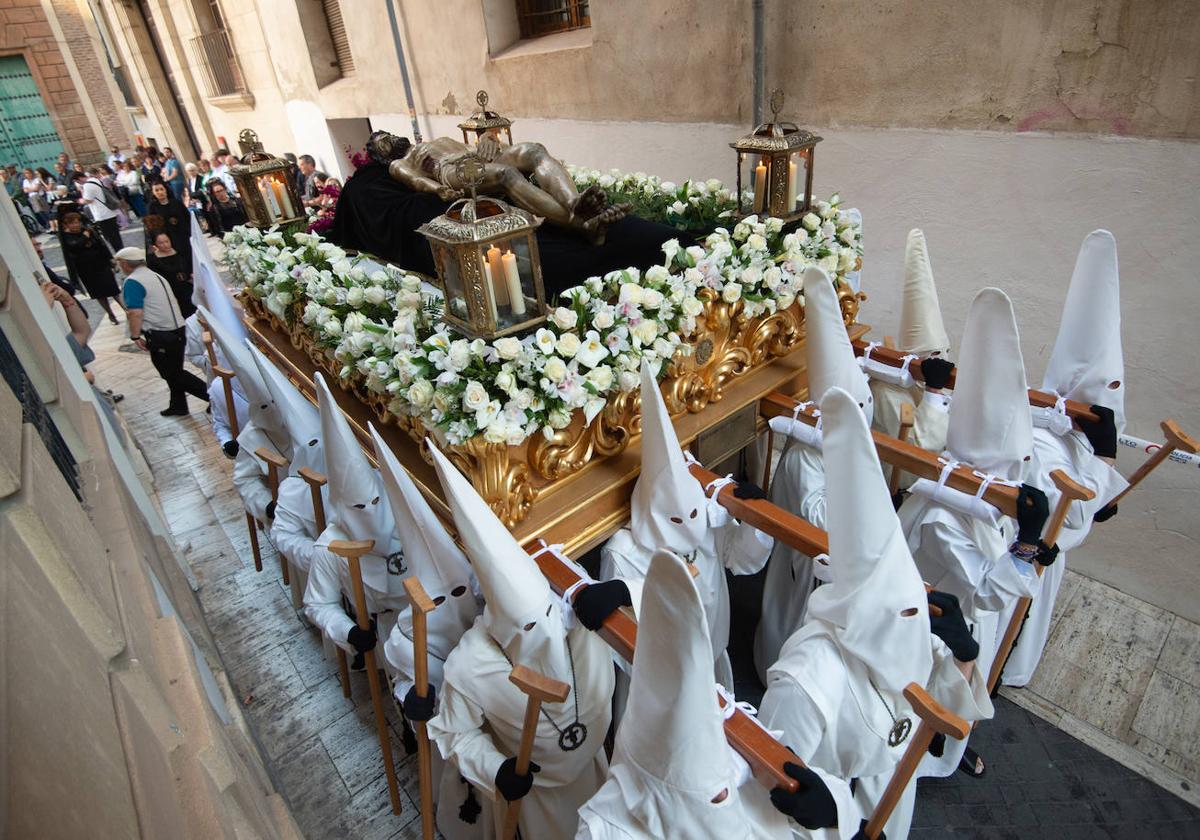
(1069, 491)
(538, 689)
(906, 425)
(231, 417)
(352, 551)
(422, 605)
(1175, 438)
(207, 338)
(275, 462)
(315, 482)
(935, 719)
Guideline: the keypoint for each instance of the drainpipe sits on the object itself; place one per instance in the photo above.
(760, 59)
(408, 94)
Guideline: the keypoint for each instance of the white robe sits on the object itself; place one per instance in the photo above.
(250, 472)
(833, 720)
(1073, 454)
(969, 559)
(478, 726)
(294, 529)
(798, 487)
(931, 418)
(194, 350)
(729, 545)
(219, 416)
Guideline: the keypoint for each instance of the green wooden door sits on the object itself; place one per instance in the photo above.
(27, 135)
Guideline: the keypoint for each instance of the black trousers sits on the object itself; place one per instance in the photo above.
(166, 353)
(111, 232)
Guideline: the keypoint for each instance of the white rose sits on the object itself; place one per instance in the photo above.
(630, 293)
(375, 295)
(508, 347)
(829, 264)
(332, 327)
(564, 318)
(825, 209)
(847, 236)
(811, 221)
(731, 293)
(505, 381)
(627, 380)
(559, 418)
(756, 242)
(645, 332)
(523, 399)
(475, 396)
(567, 345)
(691, 306)
(846, 260)
(545, 340)
(496, 431)
(555, 369)
(601, 376)
(652, 299)
(420, 393)
(603, 319)
(355, 296)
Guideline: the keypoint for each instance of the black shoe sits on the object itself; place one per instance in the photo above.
(174, 412)
(359, 663)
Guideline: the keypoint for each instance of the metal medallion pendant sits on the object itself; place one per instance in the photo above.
(899, 733)
(572, 737)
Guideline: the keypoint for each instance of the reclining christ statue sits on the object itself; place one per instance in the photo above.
(406, 185)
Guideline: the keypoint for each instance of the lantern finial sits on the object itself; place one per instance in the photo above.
(248, 141)
(482, 99)
(776, 103)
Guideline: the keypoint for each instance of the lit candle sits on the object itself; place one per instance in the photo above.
(791, 202)
(496, 276)
(281, 195)
(268, 195)
(512, 279)
(760, 187)
(487, 275)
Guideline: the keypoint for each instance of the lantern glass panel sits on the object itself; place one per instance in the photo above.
(274, 191)
(508, 272)
(755, 177)
(798, 181)
(455, 290)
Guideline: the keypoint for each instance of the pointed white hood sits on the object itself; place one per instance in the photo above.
(300, 416)
(921, 328)
(875, 581)
(202, 263)
(990, 426)
(831, 362)
(668, 505)
(220, 305)
(521, 613)
(246, 376)
(359, 509)
(1087, 363)
(432, 556)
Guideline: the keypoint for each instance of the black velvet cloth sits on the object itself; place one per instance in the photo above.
(380, 216)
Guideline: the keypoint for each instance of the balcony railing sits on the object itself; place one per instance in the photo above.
(213, 52)
(543, 17)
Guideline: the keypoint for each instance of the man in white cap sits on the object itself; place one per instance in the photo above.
(445, 575)
(799, 482)
(156, 325)
(922, 335)
(294, 526)
(670, 510)
(1087, 365)
(962, 545)
(265, 427)
(357, 511)
(837, 690)
(480, 713)
(673, 773)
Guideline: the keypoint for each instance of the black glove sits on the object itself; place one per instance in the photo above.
(1033, 509)
(748, 490)
(936, 372)
(511, 786)
(1102, 434)
(362, 640)
(419, 709)
(1105, 513)
(1047, 554)
(271, 509)
(898, 499)
(597, 601)
(861, 834)
(951, 627)
(811, 805)
(937, 745)
(230, 448)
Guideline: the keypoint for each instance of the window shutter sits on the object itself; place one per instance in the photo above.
(337, 33)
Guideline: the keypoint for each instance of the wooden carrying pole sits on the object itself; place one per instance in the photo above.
(422, 605)
(906, 425)
(207, 338)
(231, 418)
(1175, 438)
(352, 551)
(906, 456)
(935, 719)
(275, 462)
(1069, 491)
(537, 689)
(1038, 399)
(315, 482)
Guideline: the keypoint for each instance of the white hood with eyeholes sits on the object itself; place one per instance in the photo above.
(263, 412)
(436, 561)
(301, 417)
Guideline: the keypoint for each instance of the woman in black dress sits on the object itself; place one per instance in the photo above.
(166, 214)
(87, 253)
(164, 260)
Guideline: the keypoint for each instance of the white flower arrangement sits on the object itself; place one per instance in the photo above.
(387, 333)
(692, 205)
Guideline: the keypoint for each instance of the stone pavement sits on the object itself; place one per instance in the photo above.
(1118, 673)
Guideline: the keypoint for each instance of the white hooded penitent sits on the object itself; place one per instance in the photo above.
(921, 329)
(668, 505)
(220, 307)
(247, 379)
(1087, 363)
(831, 362)
(301, 417)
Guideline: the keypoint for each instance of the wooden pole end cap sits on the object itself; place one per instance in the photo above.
(539, 686)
